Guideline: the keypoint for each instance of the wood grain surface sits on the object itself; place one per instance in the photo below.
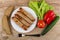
(53, 34)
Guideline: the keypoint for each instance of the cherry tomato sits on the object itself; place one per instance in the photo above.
(41, 24)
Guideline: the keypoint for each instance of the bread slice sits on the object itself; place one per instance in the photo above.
(5, 25)
(9, 10)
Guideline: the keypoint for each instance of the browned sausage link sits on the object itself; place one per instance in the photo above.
(18, 17)
(24, 27)
(24, 17)
(22, 20)
(27, 14)
(19, 23)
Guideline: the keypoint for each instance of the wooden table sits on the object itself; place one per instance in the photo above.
(53, 34)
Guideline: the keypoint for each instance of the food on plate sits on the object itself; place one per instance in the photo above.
(50, 26)
(23, 20)
(24, 17)
(5, 25)
(27, 14)
(19, 23)
(49, 16)
(9, 10)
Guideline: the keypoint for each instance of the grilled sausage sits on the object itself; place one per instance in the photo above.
(19, 23)
(22, 20)
(24, 17)
(27, 14)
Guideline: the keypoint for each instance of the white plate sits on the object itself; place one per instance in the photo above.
(19, 29)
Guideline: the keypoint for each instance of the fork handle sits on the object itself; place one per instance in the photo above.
(35, 35)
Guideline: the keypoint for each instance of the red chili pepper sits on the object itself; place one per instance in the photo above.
(49, 16)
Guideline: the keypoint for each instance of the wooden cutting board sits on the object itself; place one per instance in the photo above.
(53, 34)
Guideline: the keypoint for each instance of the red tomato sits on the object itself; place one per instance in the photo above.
(41, 24)
(49, 16)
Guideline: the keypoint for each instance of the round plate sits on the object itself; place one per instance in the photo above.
(19, 29)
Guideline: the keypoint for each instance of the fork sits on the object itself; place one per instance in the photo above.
(34, 35)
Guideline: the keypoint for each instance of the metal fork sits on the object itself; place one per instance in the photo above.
(34, 35)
